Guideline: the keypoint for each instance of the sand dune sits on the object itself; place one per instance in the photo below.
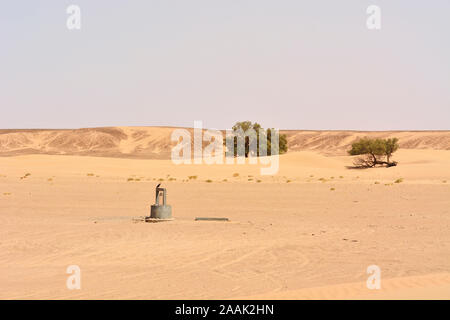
(155, 143)
(337, 142)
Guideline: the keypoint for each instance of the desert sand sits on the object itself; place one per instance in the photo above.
(155, 142)
(73, 197)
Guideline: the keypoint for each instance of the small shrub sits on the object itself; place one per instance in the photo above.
(399, 180)
(376, 182)
(235, 175)
(224, 180)
(288, 181)
(341, 177)
(209, 181)
(192, 177)
(90, 174)
(444, 181)
(160, 179)
(332, 189)
(25, 176)
(130, 179)
(323, 179)
(258, 181)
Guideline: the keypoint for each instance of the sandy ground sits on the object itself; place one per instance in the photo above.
(308, 232)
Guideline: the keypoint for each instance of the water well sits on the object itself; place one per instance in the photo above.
(158, 211)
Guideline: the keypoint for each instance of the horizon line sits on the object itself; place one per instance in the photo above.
(192, 128)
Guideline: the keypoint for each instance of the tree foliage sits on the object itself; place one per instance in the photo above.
(251, 132)
(374, 151)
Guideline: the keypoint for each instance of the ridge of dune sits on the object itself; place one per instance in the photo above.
(155, 142)
(337, 142)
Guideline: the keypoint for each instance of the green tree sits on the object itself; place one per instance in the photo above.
(243, 128)
(391, 145)
(282, 144)
(373, 151)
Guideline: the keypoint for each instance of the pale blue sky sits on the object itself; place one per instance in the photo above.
(289, 64)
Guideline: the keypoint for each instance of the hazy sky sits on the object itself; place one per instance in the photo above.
(286, 64)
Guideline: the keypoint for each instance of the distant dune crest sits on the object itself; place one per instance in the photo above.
(155, 142)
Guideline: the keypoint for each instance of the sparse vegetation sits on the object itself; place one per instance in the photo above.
(192, 177)
(172, 179)
(399, 180)
(209, 181)
(373, 151)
